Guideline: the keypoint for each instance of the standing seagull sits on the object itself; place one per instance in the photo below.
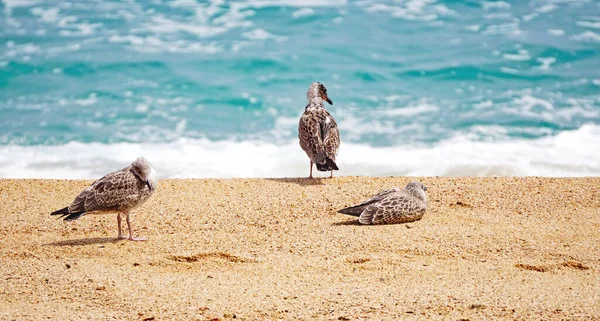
(318, 133)
(392, 206)
(119, 192)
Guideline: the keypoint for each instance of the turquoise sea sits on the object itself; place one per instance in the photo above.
(216, 88)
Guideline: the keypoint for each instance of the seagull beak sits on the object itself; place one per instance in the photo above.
(327, 99)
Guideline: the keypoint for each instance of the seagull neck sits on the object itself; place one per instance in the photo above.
(316, 102)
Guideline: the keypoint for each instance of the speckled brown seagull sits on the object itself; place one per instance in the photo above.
(119, 192)
(318, 133)
(392, 206)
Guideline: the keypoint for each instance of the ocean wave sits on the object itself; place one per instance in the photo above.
(416, 10)
(491, 5)
(292, 3)
(565, 154)
(153, 44)
(588, 24)
(303, 12)
(587, 36)
(163, 25)
(479, 73)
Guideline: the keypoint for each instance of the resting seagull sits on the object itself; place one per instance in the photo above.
(392, 206)
(318, 133)
(118, 192)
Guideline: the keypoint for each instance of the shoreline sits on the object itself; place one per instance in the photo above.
(275, 248)
(548, 156)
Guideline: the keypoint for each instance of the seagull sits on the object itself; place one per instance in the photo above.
(119, 192)
(318, 133)
(392, 206)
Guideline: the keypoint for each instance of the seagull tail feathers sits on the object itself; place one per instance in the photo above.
(353, 210)
(62, 211)
(329, 165)
(65, 212)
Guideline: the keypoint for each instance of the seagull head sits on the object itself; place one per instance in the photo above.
(418, 189)
(317, 92)
(143, 170)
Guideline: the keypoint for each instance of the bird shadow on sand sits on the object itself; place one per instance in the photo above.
(302, 181)
(86, 241)
(351, 222)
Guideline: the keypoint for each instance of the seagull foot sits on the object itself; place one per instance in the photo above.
(131, 238)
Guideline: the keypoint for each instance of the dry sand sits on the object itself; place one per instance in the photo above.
(487, 248)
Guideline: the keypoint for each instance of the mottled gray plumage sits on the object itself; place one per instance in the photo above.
(118, 192)
(318, 132)
(392, 206)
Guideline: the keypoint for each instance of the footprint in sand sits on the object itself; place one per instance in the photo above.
(210, 256)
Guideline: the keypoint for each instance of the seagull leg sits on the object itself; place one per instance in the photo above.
(131, 238)
(311, 164)
(119, 223)
(331, 176)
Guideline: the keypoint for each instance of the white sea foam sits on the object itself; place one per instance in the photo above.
(490, 5)
(484, 104)
(141, 108)
(414, 10)
(303, 12)
(531, 107)
(589, 24)
(530, 17)
(260, 34)
(500, 16)
(509, 70)
(566, 154)
(473, 28)
(46, 15)
(547, 8)
(556, 32)
(511, 28)
(21, 49)
(294, 3)
(355, 127)
(569, 113)
(528, 102)
(546, 62)
(92, 99)
(162, 25)
(235, 17)
(30, 49)
(411, 110)
(80, 29)
(66, 21)
(522, 55)
(587, 36)
(152, 44)
(238, 45)
(183, 3)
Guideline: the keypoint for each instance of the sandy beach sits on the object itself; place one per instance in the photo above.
(270, 249)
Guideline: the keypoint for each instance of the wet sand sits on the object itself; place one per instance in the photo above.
(267, 249)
